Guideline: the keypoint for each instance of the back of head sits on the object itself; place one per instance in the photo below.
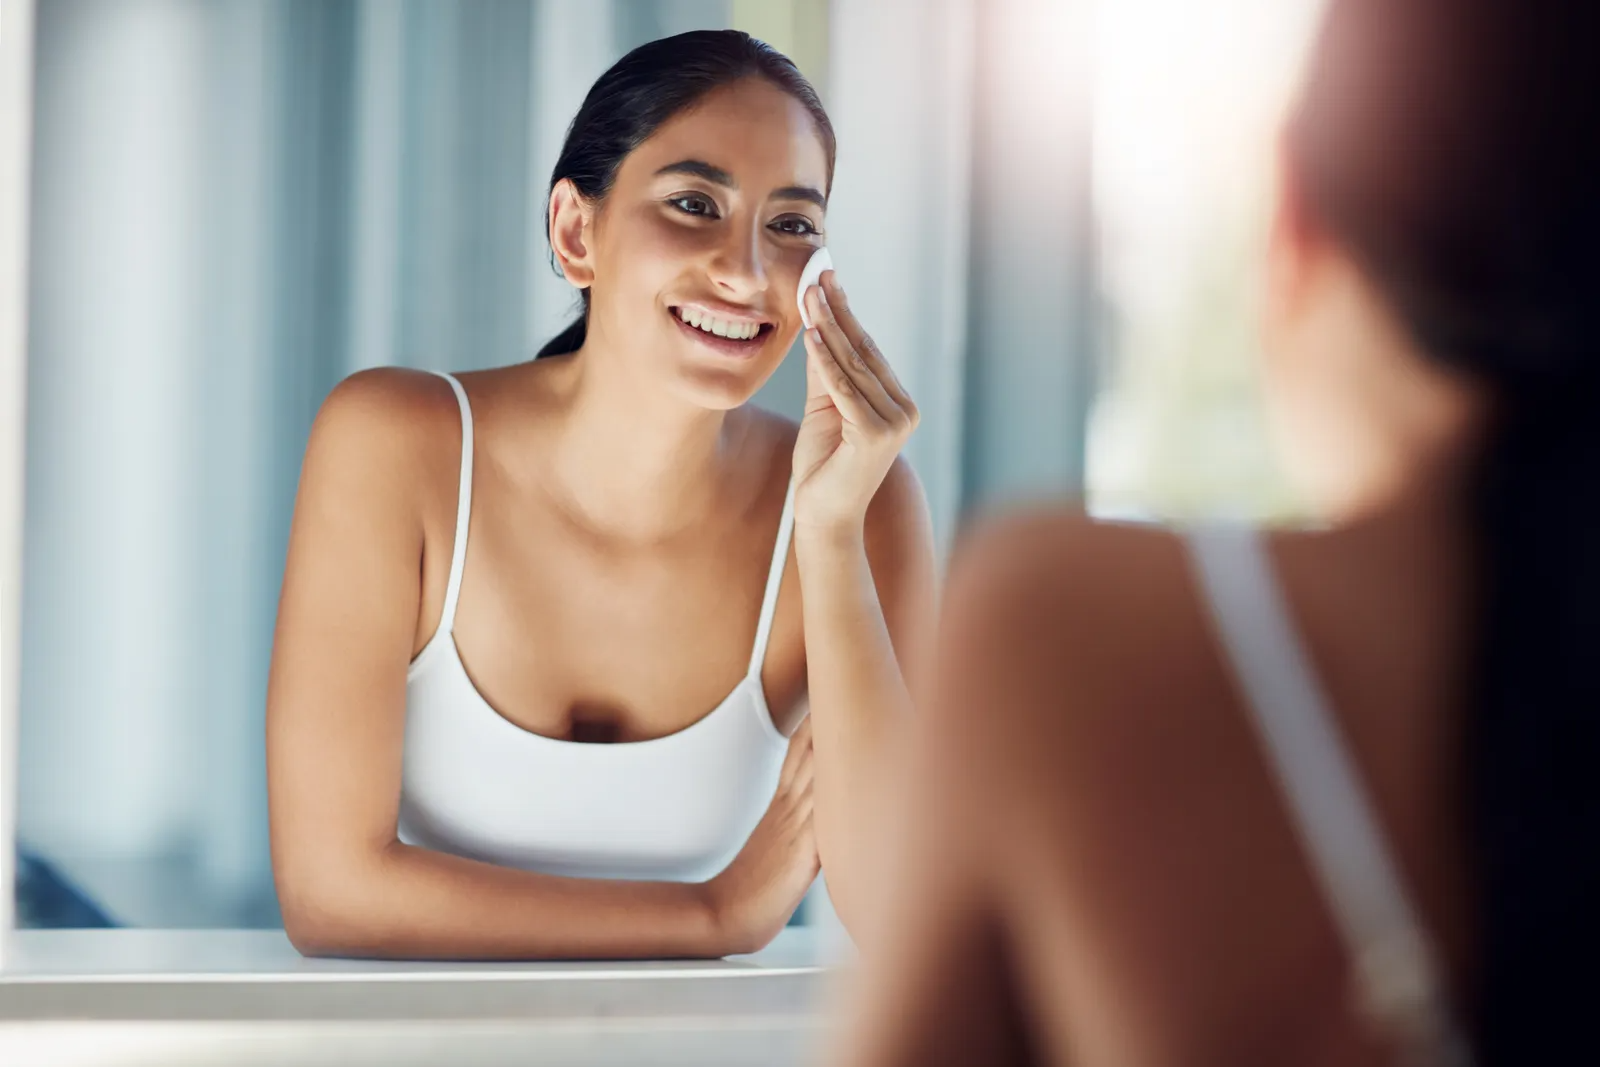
(1452, 147)
(644, 89)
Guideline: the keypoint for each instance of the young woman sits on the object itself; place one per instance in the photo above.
(1310, 797)
(544, 654)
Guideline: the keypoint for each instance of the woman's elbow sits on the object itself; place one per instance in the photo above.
(317, 926)
(325, 916)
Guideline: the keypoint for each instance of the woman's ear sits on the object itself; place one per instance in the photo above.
(571, 218)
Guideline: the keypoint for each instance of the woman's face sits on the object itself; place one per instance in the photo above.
(698, 248)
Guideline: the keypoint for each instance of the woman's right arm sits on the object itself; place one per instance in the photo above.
(335, 730)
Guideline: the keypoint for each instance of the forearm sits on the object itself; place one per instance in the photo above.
(859, 703)
(413, 903)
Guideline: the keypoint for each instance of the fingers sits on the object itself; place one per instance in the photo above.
(798, 813)
(839, 388)
(804, 775)
(865, 347)
(804, 827)
(816, 379)
(803, 731)
(858, 357)
(799, 754)
(853, 371)
(799, 743)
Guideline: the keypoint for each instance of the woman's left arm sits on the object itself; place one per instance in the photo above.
(864, 545)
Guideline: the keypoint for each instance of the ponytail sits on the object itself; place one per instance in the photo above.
(570, 339)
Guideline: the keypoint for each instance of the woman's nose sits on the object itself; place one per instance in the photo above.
(737, 267)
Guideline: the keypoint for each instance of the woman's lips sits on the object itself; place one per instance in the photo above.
(725, 346)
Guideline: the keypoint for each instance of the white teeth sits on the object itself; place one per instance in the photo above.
(737, 331)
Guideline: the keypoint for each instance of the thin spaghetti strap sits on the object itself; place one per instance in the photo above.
(458, 556)
(769, 601)
(1394, 966)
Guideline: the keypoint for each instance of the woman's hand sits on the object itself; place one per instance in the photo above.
(857, 417)
(755, 895)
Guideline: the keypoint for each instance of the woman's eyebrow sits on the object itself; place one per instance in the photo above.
(717, 176)
(801, 192)
(700, 169)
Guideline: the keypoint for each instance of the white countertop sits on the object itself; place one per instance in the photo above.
(177, 997)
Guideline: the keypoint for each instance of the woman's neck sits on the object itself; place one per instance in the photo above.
(630, 462)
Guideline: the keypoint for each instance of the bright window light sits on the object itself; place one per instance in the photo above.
(1188, 98)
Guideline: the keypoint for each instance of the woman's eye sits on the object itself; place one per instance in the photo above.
(695, 204)
(795, 225)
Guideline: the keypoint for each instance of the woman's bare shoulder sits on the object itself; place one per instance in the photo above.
(385, 417)
(1079, 672)
(1076, 620)
(1058, 567)
(386, 442)
(397, 403)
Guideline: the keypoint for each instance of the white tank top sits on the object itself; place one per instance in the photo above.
(1394, 968)
(673, 808)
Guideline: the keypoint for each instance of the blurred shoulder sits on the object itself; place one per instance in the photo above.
(1058, 567)
(1068, 647)
(1054, 617)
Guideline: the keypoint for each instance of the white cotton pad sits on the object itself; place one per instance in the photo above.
(819, 262)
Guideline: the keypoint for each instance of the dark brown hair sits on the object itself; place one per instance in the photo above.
(1453, 148)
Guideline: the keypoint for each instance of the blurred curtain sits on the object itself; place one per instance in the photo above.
(16, 114)
(238, 202)
(960, 221)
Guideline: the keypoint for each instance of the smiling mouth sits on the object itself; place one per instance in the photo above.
(720, 332)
